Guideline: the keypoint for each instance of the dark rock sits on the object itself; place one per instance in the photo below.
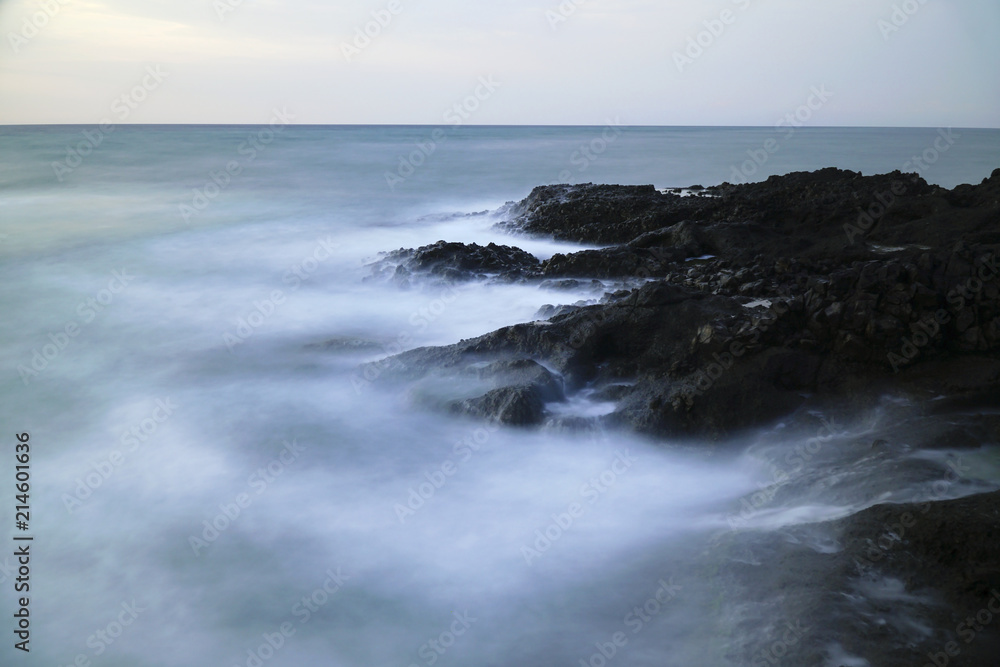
(349, 344)
(615, 262)
(549, 311)
(598, 214)
(803, 214)
(514, 406)
(455, 262)
(522, 373)
(843, 317)
(686, 237)
(568, 284)
(891, 583)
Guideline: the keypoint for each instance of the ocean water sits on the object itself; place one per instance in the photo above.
(212, 486)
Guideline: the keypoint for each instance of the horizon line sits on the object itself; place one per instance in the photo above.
(502, 125)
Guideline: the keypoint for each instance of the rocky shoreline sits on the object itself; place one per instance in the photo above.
(721, 312)
(726, 311)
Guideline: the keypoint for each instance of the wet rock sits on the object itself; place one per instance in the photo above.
(549, 311)
(568, 284)
(348, 344)
(454, 262)
(598, 214)
(618, 262)
(522, 387)
(514, 406)
(834, 315)
(891, 584)
(522, 373)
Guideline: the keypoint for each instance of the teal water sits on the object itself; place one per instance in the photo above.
(135, 178)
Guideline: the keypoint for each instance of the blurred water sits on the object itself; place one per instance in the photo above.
(165, 370)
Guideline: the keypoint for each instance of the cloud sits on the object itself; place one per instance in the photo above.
(602, 57)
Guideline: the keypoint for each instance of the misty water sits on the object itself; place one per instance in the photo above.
(215, 483)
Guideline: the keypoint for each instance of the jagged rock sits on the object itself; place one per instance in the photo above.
(454, 262)
(834, 314)
(610, 263)
(514, 406)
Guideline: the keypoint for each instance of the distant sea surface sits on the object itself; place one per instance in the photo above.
(64, 184)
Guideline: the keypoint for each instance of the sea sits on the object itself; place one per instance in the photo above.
(214, 482)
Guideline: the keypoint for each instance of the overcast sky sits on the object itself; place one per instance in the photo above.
(579, 62)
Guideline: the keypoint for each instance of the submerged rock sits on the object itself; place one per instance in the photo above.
(510, 391)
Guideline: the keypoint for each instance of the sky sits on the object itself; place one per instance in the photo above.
(925, 63)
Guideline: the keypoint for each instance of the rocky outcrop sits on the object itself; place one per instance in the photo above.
(598, 214)
(453, 262)
(758, 296)
(829, 213)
